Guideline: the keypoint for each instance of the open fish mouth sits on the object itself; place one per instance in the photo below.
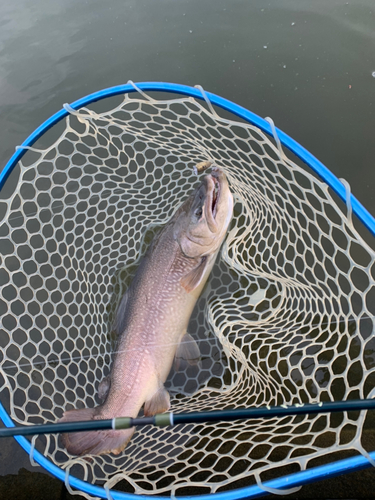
(214, 189)
(215, 195)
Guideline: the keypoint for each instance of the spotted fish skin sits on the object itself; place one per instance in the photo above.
(153, 316)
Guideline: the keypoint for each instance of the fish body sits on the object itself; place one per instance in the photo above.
(153, 316)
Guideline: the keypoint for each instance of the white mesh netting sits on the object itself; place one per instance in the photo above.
(287, 315)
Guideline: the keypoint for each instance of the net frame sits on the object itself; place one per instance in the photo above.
(330, 179)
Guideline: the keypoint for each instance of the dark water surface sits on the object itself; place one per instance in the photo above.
(309, 64)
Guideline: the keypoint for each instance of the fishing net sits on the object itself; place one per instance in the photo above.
(287, 316)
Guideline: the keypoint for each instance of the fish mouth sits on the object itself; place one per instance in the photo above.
(216, 193)
(214, 189)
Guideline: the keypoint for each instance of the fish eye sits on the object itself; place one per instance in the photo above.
(198, 212)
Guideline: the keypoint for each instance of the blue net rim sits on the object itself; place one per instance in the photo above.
(297, 479)
(326, 175)
(289, 481)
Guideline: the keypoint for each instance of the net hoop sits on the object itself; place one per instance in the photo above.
(340, 188)
(300, 478)
(252, 118)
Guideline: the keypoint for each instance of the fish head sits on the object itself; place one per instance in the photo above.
(204, 218)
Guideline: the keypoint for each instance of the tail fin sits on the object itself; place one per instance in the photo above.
(93, 442)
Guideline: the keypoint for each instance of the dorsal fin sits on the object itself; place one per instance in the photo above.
(120, 319)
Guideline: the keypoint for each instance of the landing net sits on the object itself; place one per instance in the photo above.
(286, 318)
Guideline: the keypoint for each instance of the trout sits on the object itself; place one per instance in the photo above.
(153, 315)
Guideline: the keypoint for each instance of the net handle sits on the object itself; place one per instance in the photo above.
(328, 177)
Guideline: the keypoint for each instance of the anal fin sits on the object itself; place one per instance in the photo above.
(159, 403)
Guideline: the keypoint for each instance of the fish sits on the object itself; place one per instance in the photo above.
(153, 314)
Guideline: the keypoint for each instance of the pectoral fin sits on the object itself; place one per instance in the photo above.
(187, 353)
(195, 276)
(159, 403)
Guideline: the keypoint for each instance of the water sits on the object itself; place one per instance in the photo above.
(308, 65)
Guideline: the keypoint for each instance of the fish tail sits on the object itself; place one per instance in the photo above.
(93, 442)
